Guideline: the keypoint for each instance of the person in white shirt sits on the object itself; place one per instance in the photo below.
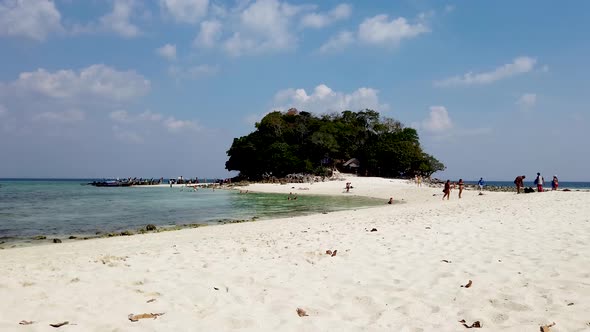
(539, 182)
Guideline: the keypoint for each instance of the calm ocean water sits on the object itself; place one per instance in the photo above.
(67, 207)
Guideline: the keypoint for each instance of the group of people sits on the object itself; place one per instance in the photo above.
(461, 185)
(447, 188)
(539, 182)
(418, 180)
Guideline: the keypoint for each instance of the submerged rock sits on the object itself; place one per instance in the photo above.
(151, 227)
(56, 241)
(40, 237)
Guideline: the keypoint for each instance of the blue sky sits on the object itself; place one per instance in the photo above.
(107, 88)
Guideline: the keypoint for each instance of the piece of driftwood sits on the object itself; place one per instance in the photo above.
(135, 318)
(56, 325)
(468, 284)
(475, 324)
(301, 312)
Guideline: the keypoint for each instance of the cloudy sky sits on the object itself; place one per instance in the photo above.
(106, 88)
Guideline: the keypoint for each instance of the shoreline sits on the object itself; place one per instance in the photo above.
(41, 239)
(254, 187)
(522, 254)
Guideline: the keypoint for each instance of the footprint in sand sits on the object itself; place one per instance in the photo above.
(500, 318)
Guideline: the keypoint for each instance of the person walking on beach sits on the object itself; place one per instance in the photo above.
(447, 190)
(539, 182)
(519, 182)
(481, 183)
(460, 183)
(554, 183)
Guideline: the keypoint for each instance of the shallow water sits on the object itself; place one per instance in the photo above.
(64, 207)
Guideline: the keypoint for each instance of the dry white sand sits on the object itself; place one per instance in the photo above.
(527, 255)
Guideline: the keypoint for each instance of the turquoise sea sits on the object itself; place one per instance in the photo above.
(60, 208)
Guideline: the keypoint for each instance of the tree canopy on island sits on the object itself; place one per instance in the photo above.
(299, 142)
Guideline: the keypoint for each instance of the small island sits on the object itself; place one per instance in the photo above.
(362, 143)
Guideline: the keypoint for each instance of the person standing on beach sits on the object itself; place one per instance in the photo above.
(480, 183)
(447, 190)
(519, 182)
(554, 183)
(539, 182)
(419, 180)
(460, 183)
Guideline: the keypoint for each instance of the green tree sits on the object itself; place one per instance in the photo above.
(299, 142)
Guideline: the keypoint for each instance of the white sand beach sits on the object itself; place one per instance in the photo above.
(527, 256)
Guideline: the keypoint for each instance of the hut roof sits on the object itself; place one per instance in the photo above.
(353, 162)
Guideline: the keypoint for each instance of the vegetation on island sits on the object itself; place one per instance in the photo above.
(300, 142)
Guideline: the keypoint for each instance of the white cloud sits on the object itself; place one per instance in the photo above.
(167, 51)
(149, 116)
(175, 125)
(60, 117)
(127, 136)
(520, 65)
(209, 34)
(379, 30)
(193, 72)
(317, 21)
(264, 25)
(122, 116)
(118, 20)
(3, 110)
(33, 19)
(185, 11)
(438, 120)
(261, 26)
(143, 119)
(527, 101)
(324, 99)
(338, 42)
(96, 81)
(69, 103)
